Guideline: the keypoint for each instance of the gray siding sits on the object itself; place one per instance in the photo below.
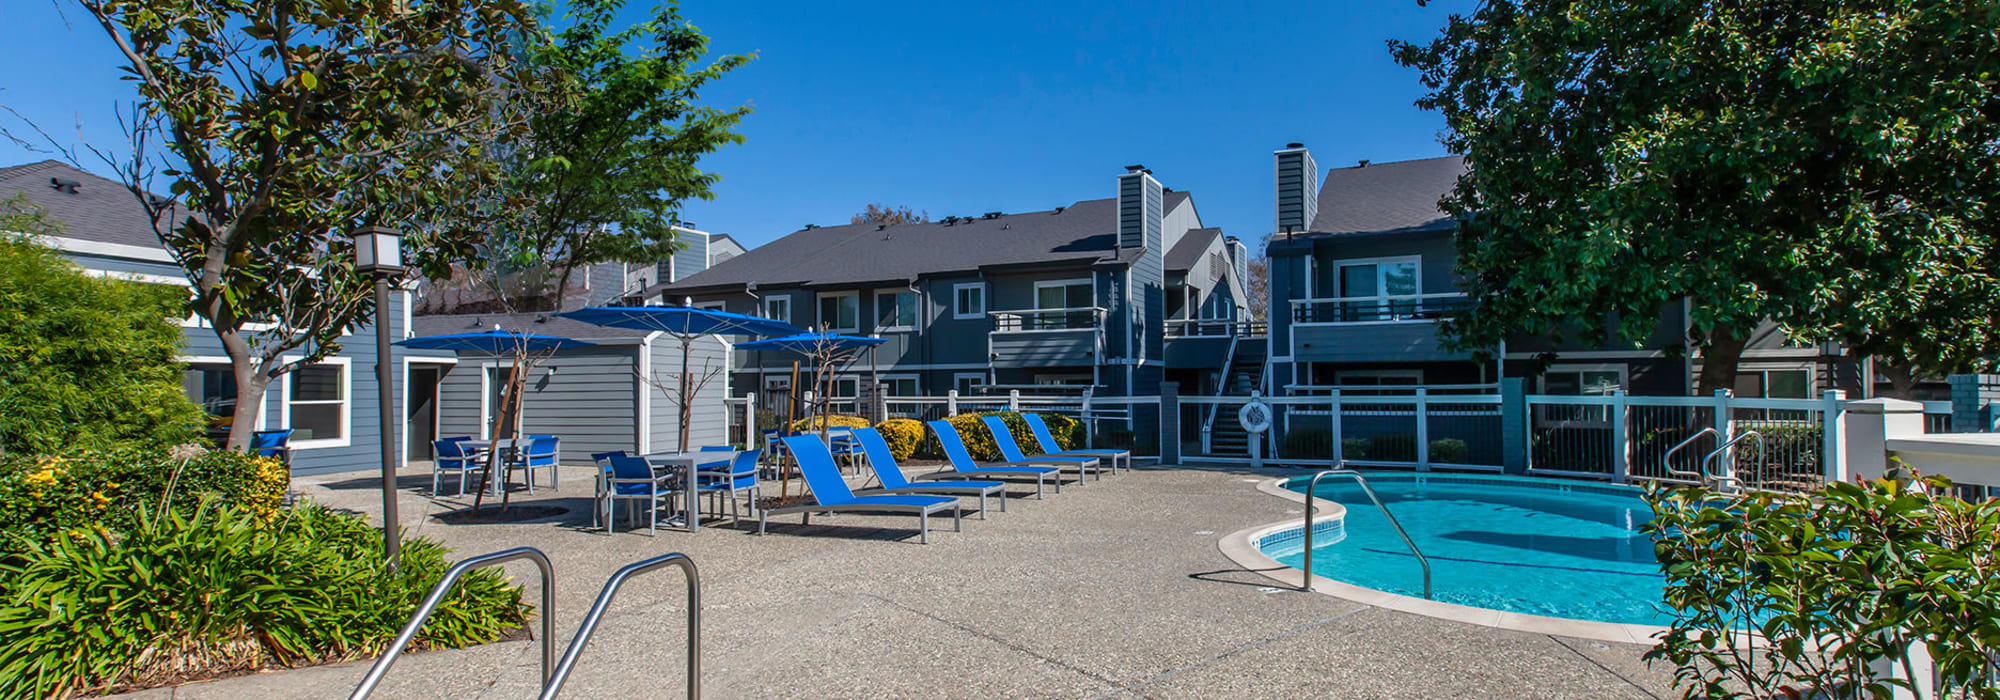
(1055, 348)
(708, 416)
(691, 258)
(1370, 342)
(1298, 189)
(588, 400)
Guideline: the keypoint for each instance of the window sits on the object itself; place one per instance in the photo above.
(900, 385)
(840, 313)
(709, 305)
(496, 384)
(1379, 281)
(778, 309)
(1063, 294)
(968, 300)
(213, 387)
(896, 310)
(1774, 384)
(969, 383)
(316, 398)
(1596, 381)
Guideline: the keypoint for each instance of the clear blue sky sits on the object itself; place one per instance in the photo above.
(952, 108)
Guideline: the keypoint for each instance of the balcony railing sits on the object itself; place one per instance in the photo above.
(1378, 309)
(1215, 328)
(1075, 318)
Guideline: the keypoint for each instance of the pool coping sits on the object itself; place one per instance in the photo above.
(1241, 547)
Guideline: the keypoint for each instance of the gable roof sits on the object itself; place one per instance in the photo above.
(100, 210)
(1187, 253)
(1387, 197)
(1082, 233)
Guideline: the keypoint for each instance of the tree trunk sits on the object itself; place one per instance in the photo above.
(1719, 360)
(1902, 381)
(250, 388)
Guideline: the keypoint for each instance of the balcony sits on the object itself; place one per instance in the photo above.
(1399, 328)
(1028, 338)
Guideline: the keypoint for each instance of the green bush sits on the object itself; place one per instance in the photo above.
(903, 436)
(85, 362)
(813, 424)
(1449, 451)
(979, 441)
(1354, 448)
(44, 495)
(1307, 443)
(1393, 447)
(1832, 581)
(187, 593)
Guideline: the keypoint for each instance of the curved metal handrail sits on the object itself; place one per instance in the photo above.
(395, 649)
(611, 586)
(1370, 490)
(1724, 447)
(1667, 460)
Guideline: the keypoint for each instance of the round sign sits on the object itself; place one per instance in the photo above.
(1255, 416)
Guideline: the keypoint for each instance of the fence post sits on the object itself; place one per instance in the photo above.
(1083, 414)
(878, 403)
(1833, 449)
(951, 403)
(1870, 425)
(1170, 422)
(1422, 409)
(1339, 451)
(1514, 437)
(1621, 442)
(1014, 400)
(1725, 429)
(750, 421)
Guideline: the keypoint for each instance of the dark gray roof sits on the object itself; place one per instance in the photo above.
(1387, 197)
(1082, 233)
(100, 210)
(536, 323)
(1187, 253)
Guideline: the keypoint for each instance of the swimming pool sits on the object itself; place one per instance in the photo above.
(1535, 546)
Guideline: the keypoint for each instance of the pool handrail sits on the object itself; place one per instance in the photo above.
(1724, 447)
(1667, 460)
(1312, 483)
(451, 576)
(554, 684)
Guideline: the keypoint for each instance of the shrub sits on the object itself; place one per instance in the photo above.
(979, 441)
(1354, 448)
(1449, 451)
(43, 495)
(813, 424)
(1832, 581)
(903, 436)
(1307, 443)
(1393, 447)
(84, 361)
(187, 593)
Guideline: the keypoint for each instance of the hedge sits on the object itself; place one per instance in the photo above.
(40, 496)
(979, 441)
(903, 435)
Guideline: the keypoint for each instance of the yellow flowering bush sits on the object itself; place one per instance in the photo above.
(809, 425)
(979, 441)
(40, 496)
(903, 436)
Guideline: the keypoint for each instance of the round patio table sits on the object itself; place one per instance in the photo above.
(686, 461)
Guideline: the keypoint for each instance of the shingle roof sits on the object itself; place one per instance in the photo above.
(536, 323)
(1387, 197)
(1084, 233)
(1187, 253)
(100, 210)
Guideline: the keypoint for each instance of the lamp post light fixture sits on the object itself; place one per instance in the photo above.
(378, 253)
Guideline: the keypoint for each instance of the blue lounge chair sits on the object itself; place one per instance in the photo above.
(272, 443)
(1003, 437)
(962, 464)
(884, 463)
(450, 456)
(1047, 439)
(830, 492)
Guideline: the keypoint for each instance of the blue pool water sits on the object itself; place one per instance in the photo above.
(1521, 545)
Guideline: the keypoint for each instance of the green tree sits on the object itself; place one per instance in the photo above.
(283, 125)
(85, 362)
(889, 216)
(612, 149)
(1827, 164)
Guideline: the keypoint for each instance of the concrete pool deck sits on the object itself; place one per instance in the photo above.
(1113, 589)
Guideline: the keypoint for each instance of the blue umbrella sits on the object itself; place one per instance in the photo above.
(493, 342)
(809, 343)
(685, 323)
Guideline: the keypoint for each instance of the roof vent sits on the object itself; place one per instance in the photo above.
(1295, 144)
(1134, 168)
(1060, 209)
(949, 220)
(62, 185)
(879, 227)
(810, 227)
(990, 215)
(1364, 163)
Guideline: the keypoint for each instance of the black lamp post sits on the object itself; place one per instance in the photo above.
(378, 252)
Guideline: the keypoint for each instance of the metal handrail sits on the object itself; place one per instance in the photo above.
(1370, 490)
(1725, 448)
(395, 649)
(1667, 460)
(611, 586)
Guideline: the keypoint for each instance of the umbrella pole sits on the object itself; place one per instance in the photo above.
(687, 344)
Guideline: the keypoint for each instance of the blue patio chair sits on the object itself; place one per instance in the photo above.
(1003, 437)
(603, 462)
(272, 443)
(830, 493)
(631, 479)
(962, 464)
(840, 441)
(883, 461)
(1049, 445)
(734, 477)
(540, 451)
(450, 456)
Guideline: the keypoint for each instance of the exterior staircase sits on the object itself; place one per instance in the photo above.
(1241, 374)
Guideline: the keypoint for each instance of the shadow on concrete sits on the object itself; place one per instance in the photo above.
(1250, 577)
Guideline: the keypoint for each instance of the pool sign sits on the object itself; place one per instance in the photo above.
(1255, 417)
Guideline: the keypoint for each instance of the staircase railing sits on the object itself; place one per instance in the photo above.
(596, 614)
(1221, 389)
(1312, 500)
(451, 576)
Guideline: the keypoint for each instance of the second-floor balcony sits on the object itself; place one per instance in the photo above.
(1399, 328)
(1377, 309)
(1065, 337)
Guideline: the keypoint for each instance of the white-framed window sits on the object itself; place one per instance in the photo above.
(1786, 382)
(900, 385)
(1063, 294)
(493, 385)
(968, 300)
(710, 305)
(1583, 380)
(777, 383)
(318, 404)
(895, 310)
(969, 383)
(1390, 288)
(840, 312)
(778, 308)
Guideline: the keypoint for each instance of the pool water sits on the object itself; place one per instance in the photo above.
(1521, 545)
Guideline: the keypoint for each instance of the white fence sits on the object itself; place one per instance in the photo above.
(1109, 421)
(1418, 430)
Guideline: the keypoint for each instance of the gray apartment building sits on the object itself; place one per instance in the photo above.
(1092, 294)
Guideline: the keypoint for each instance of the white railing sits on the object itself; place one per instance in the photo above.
(1216, 328)
(1376, 309)
(1631, 438)
(1414, 431)
(1064, 319)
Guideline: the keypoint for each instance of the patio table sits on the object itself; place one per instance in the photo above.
(477, 449)
(687, 461)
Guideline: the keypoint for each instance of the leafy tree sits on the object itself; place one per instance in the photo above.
(612, 148)
(1258, 286)
(284, 125)
(1827, 164)
(889, 216)
(85, 362)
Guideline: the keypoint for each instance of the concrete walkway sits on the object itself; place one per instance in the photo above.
(1112, 589)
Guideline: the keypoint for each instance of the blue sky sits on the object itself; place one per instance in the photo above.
(952, 108)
